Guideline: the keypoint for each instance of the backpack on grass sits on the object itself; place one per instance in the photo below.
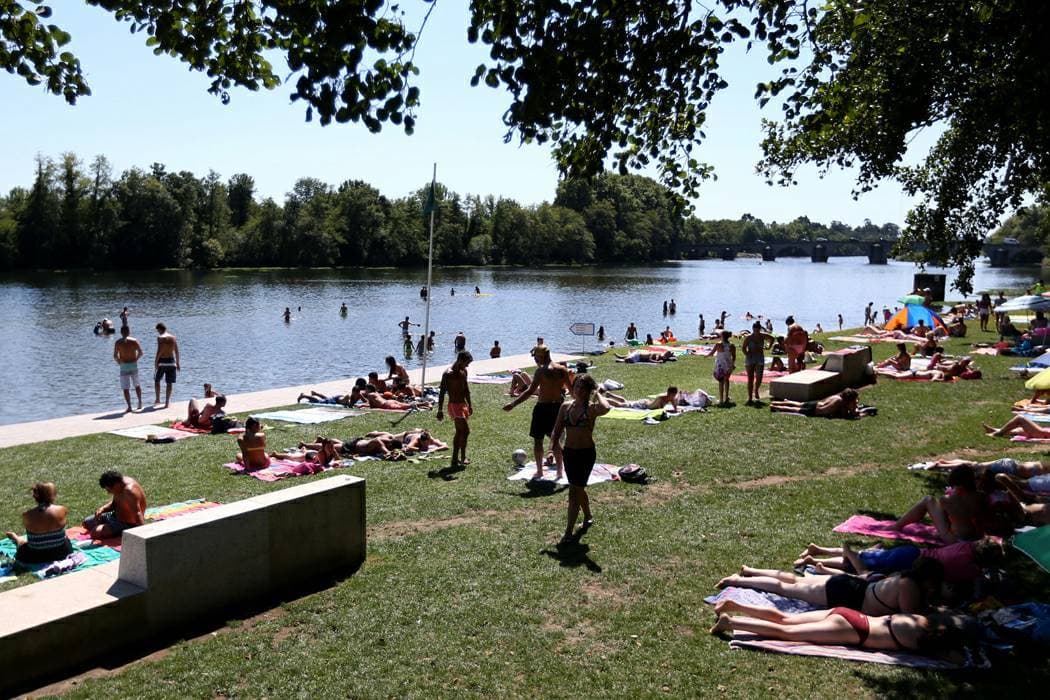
(633, 474)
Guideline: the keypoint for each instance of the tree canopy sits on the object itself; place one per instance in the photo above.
(630, 82)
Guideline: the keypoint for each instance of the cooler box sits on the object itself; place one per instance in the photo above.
(807, 385)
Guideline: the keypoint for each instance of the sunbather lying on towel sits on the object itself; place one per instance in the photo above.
(410, 441)
(1018, 425)
(1039, 403)
(636, 356)
(1035, 489)
(936, 634)
(1004, 465)
(840, 405)
(376, 401)
(876, 332)
(958, 514)
(909, 592)
(323, 453)
(1031, 513)
(318, 397)
(667, 401)
(962, 561)
(253, 446)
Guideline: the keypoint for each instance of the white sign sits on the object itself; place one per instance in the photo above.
(582, 329)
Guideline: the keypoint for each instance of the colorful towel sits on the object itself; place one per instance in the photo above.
(700, 350)
(279, 469)
(489, 379)
(745, 640)
(761, 599)
(152, 515)
(767, 375)
(916, 532)
(1036, 544)
(638, 414)
(1025, 438)
(309, 416)
(85, 555)
(141, 432)
(1037, 417)
(675, 350)
(179, 425)
(600, 473)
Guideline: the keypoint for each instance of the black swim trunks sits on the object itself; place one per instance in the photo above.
(578, 464)
(544, 415)
(846, 591)
(165, 370)
(808, 408)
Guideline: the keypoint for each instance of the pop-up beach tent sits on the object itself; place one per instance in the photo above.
(910, 316)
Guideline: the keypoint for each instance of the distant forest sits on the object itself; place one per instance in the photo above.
(81, 216)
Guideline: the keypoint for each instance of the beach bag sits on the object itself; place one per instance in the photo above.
(221, 423)
(633, 474)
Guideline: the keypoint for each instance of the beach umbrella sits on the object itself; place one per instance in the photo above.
(1039, 381)
(912, 299)
(910, 316)
(1029, 302)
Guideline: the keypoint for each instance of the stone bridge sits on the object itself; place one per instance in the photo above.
(878, 252)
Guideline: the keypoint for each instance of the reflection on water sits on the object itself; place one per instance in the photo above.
(231, 332)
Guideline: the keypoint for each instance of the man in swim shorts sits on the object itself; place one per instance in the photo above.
(126, 509)
(166, 363)
(549, 385)
(454, 384)
(126, 353)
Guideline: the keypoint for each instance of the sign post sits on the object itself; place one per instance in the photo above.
(583, 330)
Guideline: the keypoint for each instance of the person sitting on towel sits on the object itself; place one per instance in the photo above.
(126, 509)
(198, 417)
(900, 362)
(253, 446)
(958, 514)
(840, 405)
(45, 525)
(777, 365)
(667, 401)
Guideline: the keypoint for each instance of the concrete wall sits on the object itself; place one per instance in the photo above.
(181, 572)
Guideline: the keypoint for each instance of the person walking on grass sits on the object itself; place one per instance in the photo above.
(126, 353)
(576, 422)
(454, 385)
(754, 347)
(725, 362)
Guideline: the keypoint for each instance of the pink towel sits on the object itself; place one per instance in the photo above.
(917, 532)
(278, 469)
(745, 640)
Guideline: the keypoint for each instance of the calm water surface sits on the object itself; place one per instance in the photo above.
(231, 332)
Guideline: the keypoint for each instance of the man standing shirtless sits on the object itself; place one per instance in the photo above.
(548, 384)
(126, 509)
(126, 353)
(166, 363)
(454, 383)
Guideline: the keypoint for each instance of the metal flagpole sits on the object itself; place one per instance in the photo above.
(432, 200)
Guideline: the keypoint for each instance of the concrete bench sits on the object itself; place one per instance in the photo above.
(807, 385)
(182, 571)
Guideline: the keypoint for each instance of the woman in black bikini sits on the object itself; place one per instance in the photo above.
(576, 421)
(914, 633)
(907, 592)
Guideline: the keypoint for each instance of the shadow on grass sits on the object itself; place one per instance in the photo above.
(537, 488)
(877, 514)
(446, 473)
(572, 554)
(1018, 677)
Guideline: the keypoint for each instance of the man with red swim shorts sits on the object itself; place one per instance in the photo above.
(454, 384)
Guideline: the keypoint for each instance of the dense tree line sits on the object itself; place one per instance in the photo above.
(1030, 226)
(80, 215)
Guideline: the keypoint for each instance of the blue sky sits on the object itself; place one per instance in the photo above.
(147, 109)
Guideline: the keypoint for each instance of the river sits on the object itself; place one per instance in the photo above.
(231, 332)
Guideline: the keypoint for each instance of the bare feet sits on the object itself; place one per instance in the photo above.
(301, 397)
(989, 430)
(728, 581)
(726, 606)
(724, 624)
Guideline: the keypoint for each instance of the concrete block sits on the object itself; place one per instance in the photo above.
(66, 621)
(807, 385)
(851, 363)
(314, 529)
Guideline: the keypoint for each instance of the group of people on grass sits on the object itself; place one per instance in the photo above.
(46, 539)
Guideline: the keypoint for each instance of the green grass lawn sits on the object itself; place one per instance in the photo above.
(464, 592)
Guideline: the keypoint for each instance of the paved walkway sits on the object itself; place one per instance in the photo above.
(92, 423)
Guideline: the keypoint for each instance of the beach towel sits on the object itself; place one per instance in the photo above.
(1025, 438)
(984, 351)
(746, 640)
(699, 350)
(279, 469)
(1037, 417)
(852, 338)
(1025, 404)
(675, 350)
(767, 376)
(1036, 544)
(152, 515)
(309, 416)
(186, 428)
(638, 414)
(865, 525)
(489, 379)
(141, 432)
(85, 555)
(761, 599)
(600, 473)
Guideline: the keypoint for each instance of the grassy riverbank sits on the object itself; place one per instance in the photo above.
(464, 592)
